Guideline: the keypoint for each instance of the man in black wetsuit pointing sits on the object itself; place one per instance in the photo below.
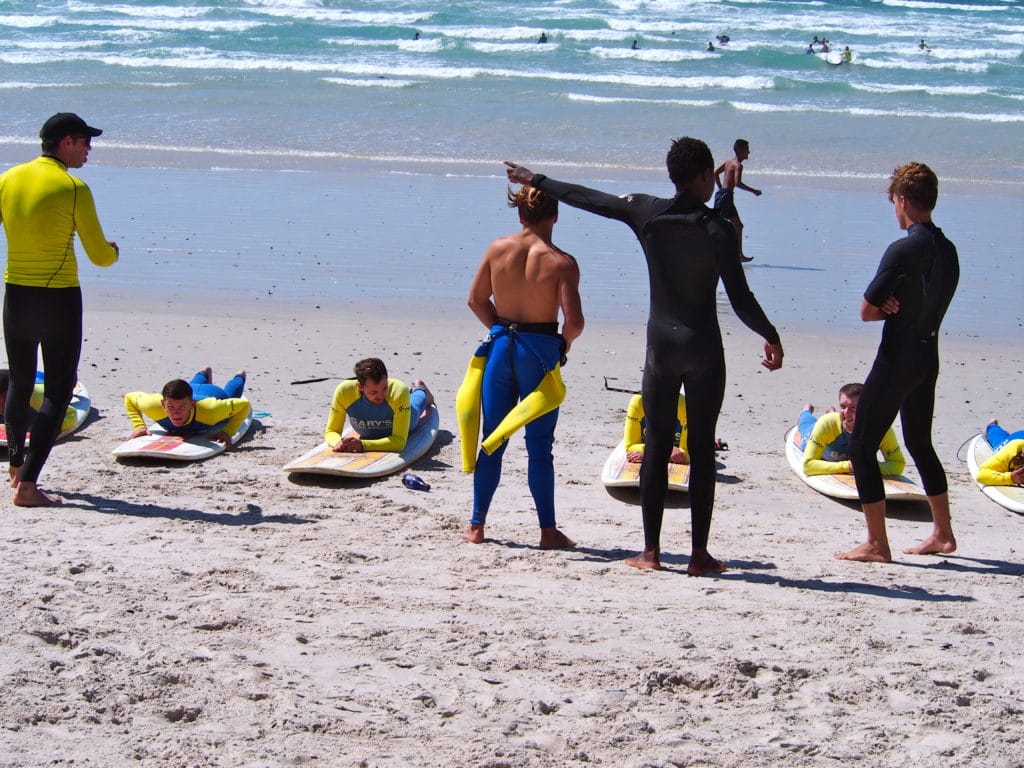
(688, 247)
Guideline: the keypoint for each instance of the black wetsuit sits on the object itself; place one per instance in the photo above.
(921, 271)
(688, 247)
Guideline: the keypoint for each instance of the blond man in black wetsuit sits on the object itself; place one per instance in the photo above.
(688, 248)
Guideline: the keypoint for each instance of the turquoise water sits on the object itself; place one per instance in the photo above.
(282, 81)
(231, 128)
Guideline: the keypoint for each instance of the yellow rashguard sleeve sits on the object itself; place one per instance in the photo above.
(345, 394)
(683, 432)
(138, 403)
(996, 469)
(212, 411)
(892, 462)
(633, 434)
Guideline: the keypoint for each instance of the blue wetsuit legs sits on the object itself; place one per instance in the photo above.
(201, 387)
(514, 369)
(417, 405)
(805, 425)
(997, 437)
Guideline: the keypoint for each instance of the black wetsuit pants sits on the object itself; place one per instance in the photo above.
(903, 384)
(704, 385)
(50, 319)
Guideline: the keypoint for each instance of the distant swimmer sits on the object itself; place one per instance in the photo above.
(635, 44)
(923, 46)
(722, 39)
(710, 48)
(847, 55)
(810, 48)
(416, 36)
(543, 37)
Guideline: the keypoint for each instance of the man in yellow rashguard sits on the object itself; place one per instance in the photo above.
(185, 408)
(382, 411)
(42, 206)
(826, 441)
(1006, 465)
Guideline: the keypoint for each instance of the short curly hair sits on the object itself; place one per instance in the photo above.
(917, 183)
(688, 158)
(370, 369)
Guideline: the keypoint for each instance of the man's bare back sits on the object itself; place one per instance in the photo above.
(525, 278)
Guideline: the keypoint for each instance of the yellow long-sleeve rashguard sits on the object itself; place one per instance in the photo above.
(41, 221)
(391, 418)
(998, 468)
(208, 412)
(826, 430)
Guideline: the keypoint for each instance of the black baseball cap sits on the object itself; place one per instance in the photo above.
(66, 124)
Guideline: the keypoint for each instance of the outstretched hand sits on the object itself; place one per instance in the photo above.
(517, 174)
(772, 356)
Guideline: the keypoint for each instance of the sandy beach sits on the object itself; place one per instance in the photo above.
(223, 614)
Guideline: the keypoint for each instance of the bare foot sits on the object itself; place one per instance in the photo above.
(474, 534)
(209, 374)
(648, 560)
(702, 562)
(868, 552)
(241, 372)
(28, 495)
(418, 384)
(809, 407)
(14, 472)
(933, 545)
(552, 538)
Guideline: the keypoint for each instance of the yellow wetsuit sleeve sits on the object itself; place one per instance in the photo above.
(633, 433)
(996, 469)
(138, 403)
(212, 411)
(42, 206)
(892, 462)
(398, 399)
(683, 432)
(826, 429)
(345, 394)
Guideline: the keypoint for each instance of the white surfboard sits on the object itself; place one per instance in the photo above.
(78, 412)
(1009, 496)
(160, 445)
(897, 487)
(322, 460)
(620, 473)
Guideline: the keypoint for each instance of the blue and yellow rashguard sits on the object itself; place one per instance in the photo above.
(207, 414)
(826, 450)
(999, 467)
(383, 427)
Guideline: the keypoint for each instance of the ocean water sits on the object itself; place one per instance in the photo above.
(279, 81)
(321, 149)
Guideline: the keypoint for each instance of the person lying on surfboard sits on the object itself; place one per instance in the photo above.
(826, 441)
(191, 408)
(35, 402)
(381, 411)
(636, 429)
(1006, 465)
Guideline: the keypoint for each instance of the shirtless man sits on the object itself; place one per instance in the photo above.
(519, 287)
(724, 202)
(910, 292)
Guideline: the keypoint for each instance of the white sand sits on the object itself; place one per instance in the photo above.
(222, 614)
